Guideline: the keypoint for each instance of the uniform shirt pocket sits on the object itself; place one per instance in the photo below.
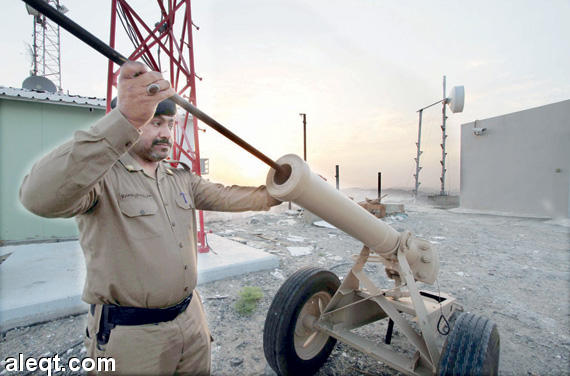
(184, 200)
(140, 218)
(138, 207)
(184, 210)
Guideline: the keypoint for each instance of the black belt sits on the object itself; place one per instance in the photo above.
(112, 315)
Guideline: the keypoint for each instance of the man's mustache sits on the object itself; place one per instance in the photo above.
(162, 141)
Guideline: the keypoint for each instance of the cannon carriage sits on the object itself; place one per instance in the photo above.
(313, 309)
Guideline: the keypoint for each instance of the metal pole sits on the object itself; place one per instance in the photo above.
(119, 59)
(60, 89)
(379, 187)
(203, 247)
(44, 46)
(443, 138)
(389, 331)
(337, 176)
(35, 50)
(419, 152)
(418, 145)
(304, 136)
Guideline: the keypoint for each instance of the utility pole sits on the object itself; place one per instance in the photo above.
(418, 153)
(443, 138)
(304, 136)
(379, 187)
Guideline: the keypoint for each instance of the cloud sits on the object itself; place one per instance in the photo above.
(473, 64)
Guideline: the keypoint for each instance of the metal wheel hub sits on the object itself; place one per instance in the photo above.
(309, 341)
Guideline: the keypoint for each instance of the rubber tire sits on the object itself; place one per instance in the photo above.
(472, 348)
(279, 329)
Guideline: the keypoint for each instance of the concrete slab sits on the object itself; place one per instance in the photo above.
(497, 213)
(230, 259)
(40, 282)
(44, 281)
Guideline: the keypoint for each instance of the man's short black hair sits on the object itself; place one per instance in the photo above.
(166, 107)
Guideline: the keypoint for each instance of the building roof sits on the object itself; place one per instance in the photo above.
(53, 98)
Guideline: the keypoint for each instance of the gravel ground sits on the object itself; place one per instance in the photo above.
(512, 270)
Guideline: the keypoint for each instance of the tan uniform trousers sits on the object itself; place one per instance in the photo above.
(180, 346)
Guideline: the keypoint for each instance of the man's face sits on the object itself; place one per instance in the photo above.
(156, 139)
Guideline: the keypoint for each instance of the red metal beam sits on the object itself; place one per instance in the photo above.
(129, 13)
(144, 47)
(180, 53)
(111, 81)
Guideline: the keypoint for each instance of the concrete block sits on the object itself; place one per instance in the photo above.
(393, 208)
(444, 201)
(374, 207)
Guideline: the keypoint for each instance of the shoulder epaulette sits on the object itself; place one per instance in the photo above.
(184, 165)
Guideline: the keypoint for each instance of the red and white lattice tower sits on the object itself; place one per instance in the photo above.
(164, 38)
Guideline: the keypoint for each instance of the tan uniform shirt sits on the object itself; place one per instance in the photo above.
(138, 233)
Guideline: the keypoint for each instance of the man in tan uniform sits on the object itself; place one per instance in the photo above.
(137, 224)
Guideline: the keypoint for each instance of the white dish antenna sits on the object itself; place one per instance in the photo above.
(39, 83)
(456, 99)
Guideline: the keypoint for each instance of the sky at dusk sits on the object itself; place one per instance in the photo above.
(359, 69)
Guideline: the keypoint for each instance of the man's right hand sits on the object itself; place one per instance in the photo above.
(136, 105)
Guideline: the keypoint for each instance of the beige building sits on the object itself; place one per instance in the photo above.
(518, 163)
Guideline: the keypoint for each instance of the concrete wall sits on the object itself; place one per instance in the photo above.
(29, 130)
(520, 164)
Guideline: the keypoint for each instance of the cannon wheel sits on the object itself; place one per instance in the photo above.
(291, 345)
(472, 347)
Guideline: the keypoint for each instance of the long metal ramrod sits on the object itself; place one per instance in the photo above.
(85, 36)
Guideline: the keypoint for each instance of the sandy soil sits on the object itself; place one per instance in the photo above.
(512, 270)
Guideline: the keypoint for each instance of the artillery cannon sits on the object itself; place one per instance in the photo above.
(312, 309)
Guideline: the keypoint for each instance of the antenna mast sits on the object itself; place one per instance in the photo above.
(46, 47)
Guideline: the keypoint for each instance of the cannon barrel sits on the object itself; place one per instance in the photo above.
(305, 188)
